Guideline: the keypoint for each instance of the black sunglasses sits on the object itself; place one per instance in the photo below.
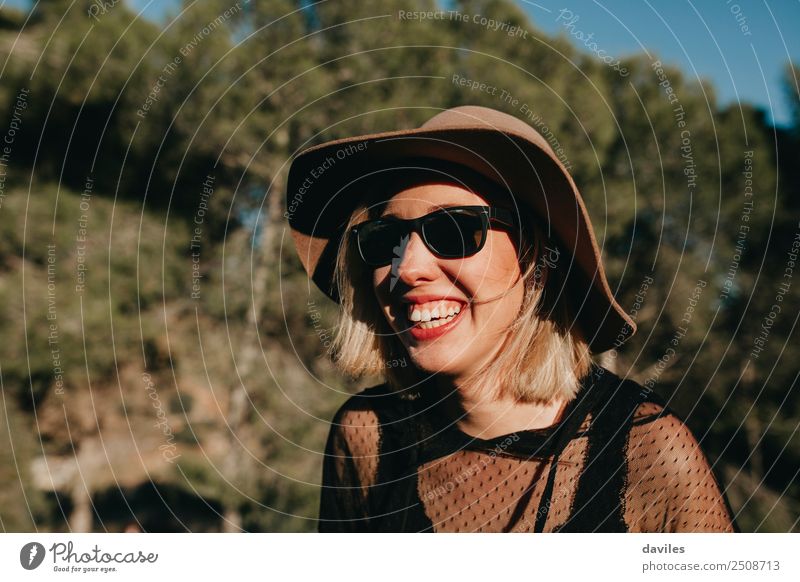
(450, 233)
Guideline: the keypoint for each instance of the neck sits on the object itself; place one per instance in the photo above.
(479, 411)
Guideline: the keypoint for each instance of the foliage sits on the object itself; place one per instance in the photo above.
(203, 291)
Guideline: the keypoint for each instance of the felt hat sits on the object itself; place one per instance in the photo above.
(322, 193)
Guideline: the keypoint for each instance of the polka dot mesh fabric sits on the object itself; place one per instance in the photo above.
(671, 487)
(620, 460)
(480, 492)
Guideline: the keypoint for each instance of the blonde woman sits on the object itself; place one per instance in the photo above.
(468, 275)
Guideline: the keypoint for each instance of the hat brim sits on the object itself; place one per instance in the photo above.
(319, 205)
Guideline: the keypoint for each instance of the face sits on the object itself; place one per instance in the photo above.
(451, 314)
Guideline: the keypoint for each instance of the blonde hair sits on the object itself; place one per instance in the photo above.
(544, 355)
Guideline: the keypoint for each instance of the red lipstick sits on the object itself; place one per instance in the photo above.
(421, 334)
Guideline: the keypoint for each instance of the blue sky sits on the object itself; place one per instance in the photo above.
(705, 38)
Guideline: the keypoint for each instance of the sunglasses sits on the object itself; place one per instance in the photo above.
(451, 233)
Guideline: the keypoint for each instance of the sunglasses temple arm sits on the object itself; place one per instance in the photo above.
(502, 215)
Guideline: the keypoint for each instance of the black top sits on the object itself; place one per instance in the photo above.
(619, 460)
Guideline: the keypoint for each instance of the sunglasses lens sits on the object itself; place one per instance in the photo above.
(379, 241)
(454, 234)
(451, 234)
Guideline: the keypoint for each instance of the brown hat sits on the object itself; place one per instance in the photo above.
(320, 199)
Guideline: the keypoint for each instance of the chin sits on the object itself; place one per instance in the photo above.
(438, 361)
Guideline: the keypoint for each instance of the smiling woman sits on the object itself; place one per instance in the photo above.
(469, 273)
(439, 245)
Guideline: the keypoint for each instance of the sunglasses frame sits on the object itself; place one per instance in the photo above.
(489, 216)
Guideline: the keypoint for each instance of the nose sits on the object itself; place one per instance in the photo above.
(414, 262)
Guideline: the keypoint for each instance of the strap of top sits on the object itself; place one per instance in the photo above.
(393, 501)
(599, 504)
(590, 394)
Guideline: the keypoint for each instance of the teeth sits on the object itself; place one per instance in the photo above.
(433, 312)
(437, 323)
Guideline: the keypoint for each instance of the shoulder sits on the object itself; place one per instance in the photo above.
(655, 428)
(660, 436)
(373, 402)
(662, 445)
(358, 422)
(622, 399)
(648, 412)
(674, 484)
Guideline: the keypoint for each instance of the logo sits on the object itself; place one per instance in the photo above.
(399, 251)
(31, 555)
(549, 260)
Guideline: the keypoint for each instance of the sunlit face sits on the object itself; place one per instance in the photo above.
(469, 302)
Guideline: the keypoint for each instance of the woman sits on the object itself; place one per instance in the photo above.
(469, 275)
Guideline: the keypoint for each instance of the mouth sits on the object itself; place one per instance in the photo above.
(433, 318)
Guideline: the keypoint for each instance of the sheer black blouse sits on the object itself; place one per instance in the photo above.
(619, 461)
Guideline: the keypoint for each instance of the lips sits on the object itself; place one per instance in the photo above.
(421, 334)
(424, 298)
(433, 312)
(414, 329)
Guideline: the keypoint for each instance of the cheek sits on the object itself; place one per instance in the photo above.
(497, 264)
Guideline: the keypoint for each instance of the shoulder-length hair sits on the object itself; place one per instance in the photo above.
(544, 354)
